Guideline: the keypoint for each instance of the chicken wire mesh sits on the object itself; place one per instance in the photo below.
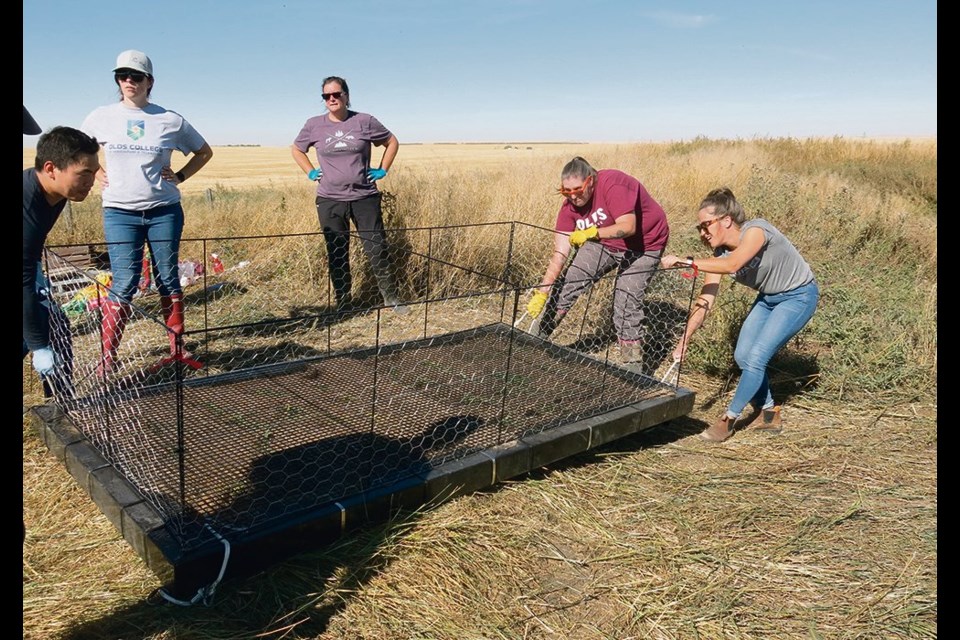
(275, 399)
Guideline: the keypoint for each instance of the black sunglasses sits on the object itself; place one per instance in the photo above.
(132, 76)
(704, 227)
(334, 94)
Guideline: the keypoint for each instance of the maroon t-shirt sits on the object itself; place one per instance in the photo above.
(343, 153)
(615, 194)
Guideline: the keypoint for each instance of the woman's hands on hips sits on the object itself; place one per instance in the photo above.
(169, 175)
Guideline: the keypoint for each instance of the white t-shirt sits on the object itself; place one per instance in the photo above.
(137, 144)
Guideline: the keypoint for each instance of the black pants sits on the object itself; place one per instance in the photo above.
(367, 216)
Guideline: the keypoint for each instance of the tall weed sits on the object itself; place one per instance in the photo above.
(864, 214)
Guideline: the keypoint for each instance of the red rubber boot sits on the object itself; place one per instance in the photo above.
(172, 307)
(115, 316)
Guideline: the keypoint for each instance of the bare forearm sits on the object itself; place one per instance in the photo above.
(697, 317)
(197, 161)
(557, 261)
(390, 153)
(301, 159)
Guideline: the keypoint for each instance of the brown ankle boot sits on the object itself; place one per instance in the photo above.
(720, 430)
(771, 421)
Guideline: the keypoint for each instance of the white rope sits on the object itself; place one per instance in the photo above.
(533, 323)
(204, 594)
(668, 375)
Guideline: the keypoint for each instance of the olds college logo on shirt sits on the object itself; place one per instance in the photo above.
(135, 129)
(592, 220)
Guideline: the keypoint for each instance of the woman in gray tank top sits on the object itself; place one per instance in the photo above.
(756, 255)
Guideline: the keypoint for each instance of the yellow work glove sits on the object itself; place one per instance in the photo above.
(537, 301)
(580, 236)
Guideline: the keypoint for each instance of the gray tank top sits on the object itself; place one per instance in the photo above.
(777, 267)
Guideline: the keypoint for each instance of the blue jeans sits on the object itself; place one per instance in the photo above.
(772, 321)
(127, 232)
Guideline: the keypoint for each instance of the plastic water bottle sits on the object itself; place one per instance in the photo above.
(217, 263)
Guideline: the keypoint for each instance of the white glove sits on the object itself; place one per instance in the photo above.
(43, 361)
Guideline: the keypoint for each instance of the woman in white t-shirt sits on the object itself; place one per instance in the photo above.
(141, 200)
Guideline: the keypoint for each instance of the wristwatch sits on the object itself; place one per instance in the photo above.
(180, 176)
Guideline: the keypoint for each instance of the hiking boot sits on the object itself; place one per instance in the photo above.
(398, 307)
(389, 291)
(345, 303)
(631, 351)
(747, 419)
(720, 430)
(771, 421)
(347, 306)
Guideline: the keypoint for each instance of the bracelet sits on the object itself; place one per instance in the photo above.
(691, 265)
(180, 176)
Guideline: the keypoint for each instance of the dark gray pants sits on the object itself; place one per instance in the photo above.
(634, 271)
(367, 216)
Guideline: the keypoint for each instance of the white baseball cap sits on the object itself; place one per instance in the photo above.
(136, 60)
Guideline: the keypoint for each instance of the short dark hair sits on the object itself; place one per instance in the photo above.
(64, 146)
(341, 82)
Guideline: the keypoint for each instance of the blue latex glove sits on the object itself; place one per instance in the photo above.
(315, 174)
(375, 174)
(43, 361)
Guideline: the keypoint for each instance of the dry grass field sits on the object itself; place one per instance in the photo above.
(242, 167)
(827, 531)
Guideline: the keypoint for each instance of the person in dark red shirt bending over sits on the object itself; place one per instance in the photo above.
(612, 222)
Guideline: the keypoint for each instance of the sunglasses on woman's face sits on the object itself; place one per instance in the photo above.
(332, 94)
(576, 192)
(132, 76)
(704, 227)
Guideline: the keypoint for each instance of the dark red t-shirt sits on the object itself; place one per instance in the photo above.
(615, 194)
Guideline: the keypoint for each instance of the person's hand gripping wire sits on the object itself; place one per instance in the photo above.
(537, 301)
(44, 361)
(580, 236)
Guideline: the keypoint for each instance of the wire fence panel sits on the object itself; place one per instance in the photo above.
(278, 399)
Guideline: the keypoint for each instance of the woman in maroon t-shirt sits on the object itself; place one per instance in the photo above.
(614, 223)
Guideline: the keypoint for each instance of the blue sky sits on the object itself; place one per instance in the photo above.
(249, 71)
